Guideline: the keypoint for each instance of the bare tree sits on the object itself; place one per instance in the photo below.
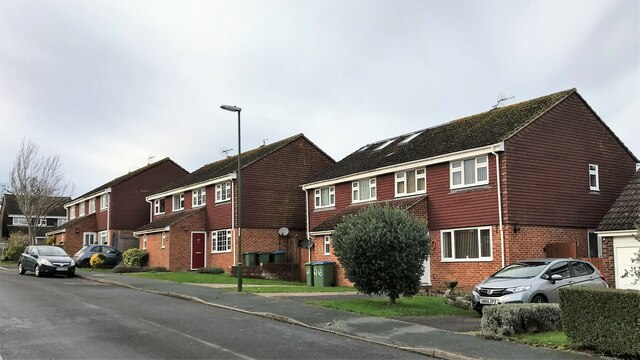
(37, 183)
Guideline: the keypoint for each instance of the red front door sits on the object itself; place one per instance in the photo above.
(197, 250)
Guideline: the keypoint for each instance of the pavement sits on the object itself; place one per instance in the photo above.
(420, 338)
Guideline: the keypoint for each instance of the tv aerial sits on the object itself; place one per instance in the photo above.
(502, 97)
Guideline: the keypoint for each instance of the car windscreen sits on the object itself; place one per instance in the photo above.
(51, 251)
(521, 270)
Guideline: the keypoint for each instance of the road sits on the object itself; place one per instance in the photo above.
(60, 318)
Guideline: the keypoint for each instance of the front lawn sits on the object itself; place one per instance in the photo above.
(413, 306)
(197, 278)
(553, 339)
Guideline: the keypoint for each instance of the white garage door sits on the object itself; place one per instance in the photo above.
(625, 248)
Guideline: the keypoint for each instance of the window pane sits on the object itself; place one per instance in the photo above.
(561, 269)
(485, 243)
(481, 160)
(400, 188)
(482, 174)
(457, 178)
(456, 164)
(592, 181)
(365, 191)
(325, 197)
(469, 171)
(466, 244)
(411, 181)
(446, 247)
(422, 184)
(593, 245)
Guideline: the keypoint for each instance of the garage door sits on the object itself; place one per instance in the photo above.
(625, 249)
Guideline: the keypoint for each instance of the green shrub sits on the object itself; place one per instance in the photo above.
(15, 246)
(606, 320)
(210, 270)
(51, 240)
(135, 257)
(382, 250)
(509, 319)
(97, 260)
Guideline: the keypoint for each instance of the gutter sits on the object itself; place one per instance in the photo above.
(192, 186)
(77, 201)
(500, 206)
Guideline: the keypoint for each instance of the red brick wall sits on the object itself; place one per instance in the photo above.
(317, 254)
(547, 169)
(157, 255)
(73, 236)
(609, 264)
(180, 241)
(529, 241)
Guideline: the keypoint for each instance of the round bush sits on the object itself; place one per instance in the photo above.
(135, 257)
(17, 243)
(97, 260)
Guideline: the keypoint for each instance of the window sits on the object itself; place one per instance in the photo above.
(221, 241)
(409, 138)
(104, 202)
(158, 206)
(325, 197)
(144, 242)
(20, 221)
(561, 268)
(178, 202)
(199, 197)
(327, 245)
(81, 209)
(89, 239)
(595, 244)
(385, 144)
(363, 190)
(594, 178)
(581, 269)
(223, 192)
(469, 172)
(466, 244)
(42, 222)
(72, 212)
(164, 240)
(411, 182)
(62, 221)
(92, 206)
(104, 238)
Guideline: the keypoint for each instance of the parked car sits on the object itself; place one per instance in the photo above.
(112, 255)
(535, 280)
(43, 259)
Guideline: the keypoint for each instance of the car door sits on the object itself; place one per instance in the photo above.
(583, 274)
(111, 255)
(33, 258)
(26, 259)
(551, 288)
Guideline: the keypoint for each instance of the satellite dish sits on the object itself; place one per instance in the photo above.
(283, 231)
(307, 244)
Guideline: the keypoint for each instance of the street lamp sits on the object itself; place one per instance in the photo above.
(238, 110)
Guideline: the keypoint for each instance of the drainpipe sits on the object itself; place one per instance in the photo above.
(233, 224)
(499, 206)
(306, 211)
(151, 210)
(109, 217)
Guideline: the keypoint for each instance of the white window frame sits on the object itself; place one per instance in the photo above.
(199, 197)
(103, 238)
(593, 171)
(180, 200)
(477, 166)
(72, 212)
(20, 221)
(223, 192)
(326, 245)
(453, 245)
(355, 190)
(157, 205)
(81, 209)
(93, 235)
(318, 197)
(401, 177)
(144, 242)
(62, 221)
(42, 221)
(104, 202)
(92, 206)
(164, 240)
(214, 241)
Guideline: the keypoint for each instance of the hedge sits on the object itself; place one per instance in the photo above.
(606, 320)
(135, 257)
(501, 321)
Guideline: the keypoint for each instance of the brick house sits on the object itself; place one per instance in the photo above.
(194, 220)
(618, 231)
(493, 188)
(13, 220)
(109, 213)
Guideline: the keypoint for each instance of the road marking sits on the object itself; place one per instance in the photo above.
(218, 347)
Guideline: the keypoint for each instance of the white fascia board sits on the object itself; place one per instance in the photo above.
(95, 195)
(318, 233)
(151, 231)
(408, 165)
(610, 233)
(55, 232)
(195, 186)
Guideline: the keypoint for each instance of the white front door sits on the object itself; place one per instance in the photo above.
(624, 249)
(426, 277)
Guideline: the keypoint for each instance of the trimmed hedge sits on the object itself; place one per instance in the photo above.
(135, 257)
(606, 320)
(210, 270)
(501, 321)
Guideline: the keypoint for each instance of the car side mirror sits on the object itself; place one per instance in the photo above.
(555, 277)
(35, 256)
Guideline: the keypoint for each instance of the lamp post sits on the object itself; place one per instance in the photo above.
(238, 110)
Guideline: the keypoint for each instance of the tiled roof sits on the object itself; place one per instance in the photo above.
(625, 212)
(228, 165)
(123, 178)
(402, 203)
(471, 132)
(71, 223)
(169, 219)
(11, 205)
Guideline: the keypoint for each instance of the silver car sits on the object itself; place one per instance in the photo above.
(535, 280)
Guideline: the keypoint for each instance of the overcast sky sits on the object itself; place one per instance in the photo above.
(106, 84)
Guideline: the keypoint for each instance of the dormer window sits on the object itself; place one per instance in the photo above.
(325, 197)
(363, 190)
(158, 206)
(469, 172)
(411, 182)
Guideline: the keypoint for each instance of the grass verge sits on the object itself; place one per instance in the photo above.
(190, 277)
(296, 289)
(8, 263)
(413, 306)
(553, 339)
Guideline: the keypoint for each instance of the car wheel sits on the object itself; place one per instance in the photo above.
(539, 299)
(37, 271)
(20, 269)
(84, 263)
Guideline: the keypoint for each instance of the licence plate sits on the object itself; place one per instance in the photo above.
(61, 269)
(488, 301)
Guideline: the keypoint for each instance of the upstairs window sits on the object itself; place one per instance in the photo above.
(223, 192)
(466, 244)
(158, 206)
(72, 212)
(92, 206)
(199, 197)
(20, 221)
(221, 241)
(363, 190)
(411, 182)
(104, 202)
(325, 197)
(469, 172)
(178, 202)
(81, 209)
(594, 178)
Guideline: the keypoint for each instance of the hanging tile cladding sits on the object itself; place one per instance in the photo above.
(547, 168)
(128, 207)
(218, 214)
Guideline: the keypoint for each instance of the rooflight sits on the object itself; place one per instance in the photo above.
(363, 148)
(410, 137)
(385, 144)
